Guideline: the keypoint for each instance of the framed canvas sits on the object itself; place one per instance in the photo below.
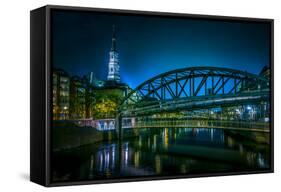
(119, 95)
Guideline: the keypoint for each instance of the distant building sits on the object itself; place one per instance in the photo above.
(94, 81)
(265, 109)
(90, 101)
(61, 86)
(77, 98)
(120, 89)
(265, 72)
(249, 86)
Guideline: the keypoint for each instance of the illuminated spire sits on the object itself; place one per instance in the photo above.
(113, 64)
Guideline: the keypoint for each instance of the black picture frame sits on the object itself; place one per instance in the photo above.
(41, 94)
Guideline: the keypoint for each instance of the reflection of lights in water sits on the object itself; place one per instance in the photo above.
(222, 137)
(261, 160)
(126, 151)
(92, 163)
(154, 141)
(106, 158)
(113, 157)
(100, 161)
(194, 131)
(212, 134)
(140, 141)
(230, 142)
(166, 137)
(91, 167)
(251, 157)
(183, 168)
(158, 166)
(137, 159)
(241, 150)
(103, 163)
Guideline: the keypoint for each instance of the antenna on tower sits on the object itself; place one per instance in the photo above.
(113, 45)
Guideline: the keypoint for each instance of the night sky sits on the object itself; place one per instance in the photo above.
(149, 46)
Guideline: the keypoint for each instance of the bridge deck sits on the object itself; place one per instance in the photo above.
(266, 130)
(199, 102)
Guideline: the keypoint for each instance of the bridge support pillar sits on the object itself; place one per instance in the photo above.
(119, 135)
(119, 126)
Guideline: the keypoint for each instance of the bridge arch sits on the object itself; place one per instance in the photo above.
(177, 82)
(195, 88)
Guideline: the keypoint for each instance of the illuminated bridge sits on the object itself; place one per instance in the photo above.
(194, 88)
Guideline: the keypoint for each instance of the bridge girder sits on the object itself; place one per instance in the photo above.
(195, 103)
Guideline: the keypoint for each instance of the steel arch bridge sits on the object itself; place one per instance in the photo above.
(195, 87)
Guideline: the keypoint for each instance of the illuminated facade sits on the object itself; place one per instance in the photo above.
(77, 98)
(61, 86)
(113, 65)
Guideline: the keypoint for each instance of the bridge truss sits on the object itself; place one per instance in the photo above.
(206, 86)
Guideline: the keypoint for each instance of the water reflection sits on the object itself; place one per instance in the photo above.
(105, 158)
(162, 152)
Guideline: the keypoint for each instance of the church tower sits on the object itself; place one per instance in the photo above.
(113, 65)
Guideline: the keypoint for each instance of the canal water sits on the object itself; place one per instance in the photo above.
(165, 151)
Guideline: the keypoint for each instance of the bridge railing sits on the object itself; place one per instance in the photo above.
(233, 125)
